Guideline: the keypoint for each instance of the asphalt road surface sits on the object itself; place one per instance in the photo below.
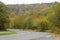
(26, 35)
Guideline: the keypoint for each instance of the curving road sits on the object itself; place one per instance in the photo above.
(25, 35)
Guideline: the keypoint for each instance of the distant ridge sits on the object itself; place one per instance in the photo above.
(25, 8)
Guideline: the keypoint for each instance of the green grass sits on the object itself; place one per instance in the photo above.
(4, 33)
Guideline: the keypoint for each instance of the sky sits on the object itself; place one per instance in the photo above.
(27, 1)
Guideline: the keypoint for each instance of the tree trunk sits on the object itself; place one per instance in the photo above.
(2, 27)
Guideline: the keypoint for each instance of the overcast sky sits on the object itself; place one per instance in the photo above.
(26, 1)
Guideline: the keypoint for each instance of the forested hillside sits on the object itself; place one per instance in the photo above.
(26, 8)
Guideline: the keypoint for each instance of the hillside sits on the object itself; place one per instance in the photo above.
(25, 8)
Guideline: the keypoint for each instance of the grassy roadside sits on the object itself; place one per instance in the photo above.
(4, 33)
(54, 34)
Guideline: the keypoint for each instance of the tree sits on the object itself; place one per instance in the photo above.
(12, 17)
(55, 18)
(3, 16)
(19, 21)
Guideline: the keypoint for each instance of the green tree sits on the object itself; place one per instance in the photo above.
(3, 16)
(55, 18)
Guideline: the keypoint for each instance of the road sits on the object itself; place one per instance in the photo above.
(26, 35)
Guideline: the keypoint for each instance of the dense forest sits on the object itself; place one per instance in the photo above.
(40, 17)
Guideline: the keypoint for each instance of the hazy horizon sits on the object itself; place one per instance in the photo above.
(27, 1)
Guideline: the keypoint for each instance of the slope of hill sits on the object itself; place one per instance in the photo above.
(25, 8)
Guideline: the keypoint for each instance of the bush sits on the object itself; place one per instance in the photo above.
(43, 26)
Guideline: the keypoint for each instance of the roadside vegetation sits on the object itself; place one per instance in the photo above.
(4, 33)
(46, 20)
